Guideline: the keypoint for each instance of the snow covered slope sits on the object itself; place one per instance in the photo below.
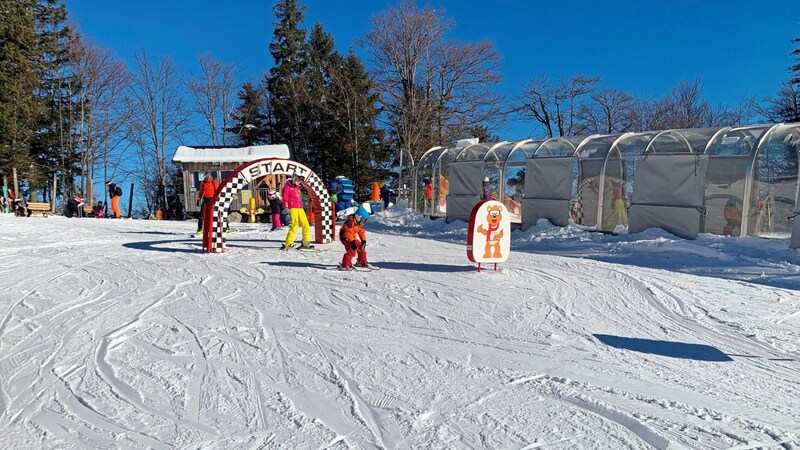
(122, 334)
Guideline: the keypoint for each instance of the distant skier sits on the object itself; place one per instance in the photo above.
(386, 195)
(275, 207)
(73, 206)
(115, 192)
(354, 238)
(487, 190)
(98, 210)
(205, 195)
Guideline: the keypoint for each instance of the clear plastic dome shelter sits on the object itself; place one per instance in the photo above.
(423, 176)
(433, 181)
(550, 171)
(605, 180)
(513, 176)
(737, 181)
(773, 209)
(466, 180)
(668, 183)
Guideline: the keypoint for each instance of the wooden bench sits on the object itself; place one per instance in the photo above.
(43, 208)
(87, 211)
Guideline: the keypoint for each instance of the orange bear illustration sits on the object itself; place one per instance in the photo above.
(493, 233)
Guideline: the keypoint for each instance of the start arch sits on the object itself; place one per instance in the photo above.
(216, 217)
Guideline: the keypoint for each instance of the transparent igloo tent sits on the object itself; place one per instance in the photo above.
(466, 180)
(739, 181)
(551, 171)
(669, 180)
(730, 155)
(616, 180)
(424, 176)
(599, 184)
(512, 176)
(773, 186)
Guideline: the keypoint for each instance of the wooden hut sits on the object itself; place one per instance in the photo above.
(221, 161)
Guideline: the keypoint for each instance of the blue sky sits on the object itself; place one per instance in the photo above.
(739, 48)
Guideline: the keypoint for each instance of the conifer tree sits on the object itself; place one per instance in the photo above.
(34, 43)
(56, 147)
(19, 80)
(354, 103)
(322, 150)
(323, 105)
(251, 119)
(785, 105)
(285, 81)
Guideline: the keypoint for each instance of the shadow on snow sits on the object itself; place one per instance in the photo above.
(682, 350)
(419, 267)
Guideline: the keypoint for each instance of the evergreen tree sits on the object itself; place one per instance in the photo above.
(785, 105)
(354, 103)
(322, 57)
(34, 44)
(285, 81)
(795, 68)
(251, 119)
(19, 80)
(54, 147)
(323, 105)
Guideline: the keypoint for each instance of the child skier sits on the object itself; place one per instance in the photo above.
(98, 210)
(354, 238)
(275, 207)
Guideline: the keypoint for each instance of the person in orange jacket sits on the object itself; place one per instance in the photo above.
(427, 195)
(354, 238)
(204, 197)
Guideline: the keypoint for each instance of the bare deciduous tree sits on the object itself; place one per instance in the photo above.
(400, 44)
(460, 79)
(556, 108)
(432, 89)
(647, 113)
(103, 80)
(609, 112)
(730, 115)
(685, 107)
(214, 91)
(784, 106)
(158, 119)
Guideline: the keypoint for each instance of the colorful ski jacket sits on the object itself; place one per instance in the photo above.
(351, 230)
(292, 197)
(207, 188)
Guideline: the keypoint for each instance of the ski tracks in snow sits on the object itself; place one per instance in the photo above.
(258, 348)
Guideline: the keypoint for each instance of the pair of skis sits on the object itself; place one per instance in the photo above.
(304, 249)
(367, 268)
(354, 268)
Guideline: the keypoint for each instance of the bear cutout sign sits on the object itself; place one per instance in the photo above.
(488, 233)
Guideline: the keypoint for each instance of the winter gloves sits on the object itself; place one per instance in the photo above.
(355, 244)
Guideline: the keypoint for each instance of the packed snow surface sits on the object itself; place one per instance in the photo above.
(123, 334)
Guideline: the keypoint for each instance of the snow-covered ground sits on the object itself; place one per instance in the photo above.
(122, 334)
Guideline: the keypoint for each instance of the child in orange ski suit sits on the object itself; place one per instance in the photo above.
(354, 239)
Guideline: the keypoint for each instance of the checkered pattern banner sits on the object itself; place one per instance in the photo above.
(324, 225)
(223, 203)
(579, 202)
(325, 221)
